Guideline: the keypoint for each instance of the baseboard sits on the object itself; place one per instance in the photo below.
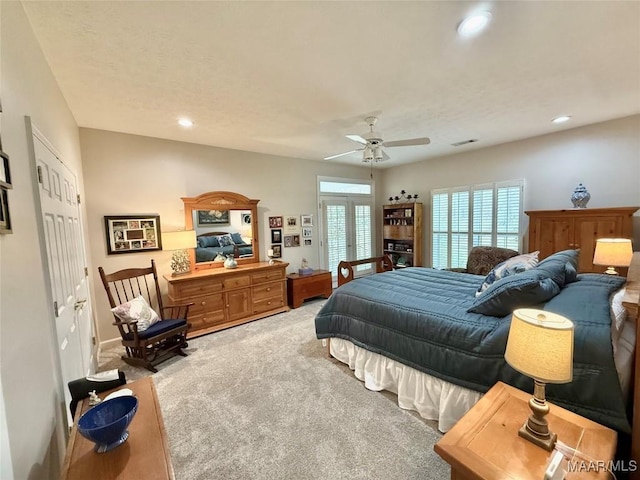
(107, 344)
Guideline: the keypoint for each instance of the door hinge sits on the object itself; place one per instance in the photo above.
(93, 340)
(55, 308)
(86, 272)
(39, 172)
(78, 198)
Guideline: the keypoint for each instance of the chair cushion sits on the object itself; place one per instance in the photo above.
(158, 328)
(137, 309)
(482, 259)
(517, 264)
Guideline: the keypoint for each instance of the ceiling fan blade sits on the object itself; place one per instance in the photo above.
(408, 142)
(340, 155)
(385, 156)
(357, 138)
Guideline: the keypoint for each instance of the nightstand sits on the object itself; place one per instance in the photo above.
(484, 444)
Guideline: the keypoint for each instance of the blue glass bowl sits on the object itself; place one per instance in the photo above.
(106, 423)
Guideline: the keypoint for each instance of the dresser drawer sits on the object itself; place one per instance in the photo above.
(202, 321)
(196, 288)
(206, 304)
(268, 290)
(268, 276)
(268, 304)
(235, 282)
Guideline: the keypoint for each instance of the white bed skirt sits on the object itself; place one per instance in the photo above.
(432, 398)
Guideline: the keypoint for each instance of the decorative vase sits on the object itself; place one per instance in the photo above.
(230, 262)
(580, 197)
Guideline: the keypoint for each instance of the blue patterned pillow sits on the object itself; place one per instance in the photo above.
(225, 240)
(237, 239)
(511, 266)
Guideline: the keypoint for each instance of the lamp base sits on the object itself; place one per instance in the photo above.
(611, 271)
(546, 442)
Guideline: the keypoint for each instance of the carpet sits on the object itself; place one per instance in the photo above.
(263, 401)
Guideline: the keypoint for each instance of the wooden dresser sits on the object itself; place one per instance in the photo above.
(224, 298)
(551, 231)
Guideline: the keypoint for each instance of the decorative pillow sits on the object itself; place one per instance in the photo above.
(225, 240)
(561, 266)
(511, 266)
(137, 309)
(515, 291)
(210, 241)
(237, 239)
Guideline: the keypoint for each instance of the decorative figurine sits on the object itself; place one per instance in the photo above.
(304, 268)
(93, 398)
(230, 262)
(219, 258)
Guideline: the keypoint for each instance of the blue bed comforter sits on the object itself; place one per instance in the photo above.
(418, 316)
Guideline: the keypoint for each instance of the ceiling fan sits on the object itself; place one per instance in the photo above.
(372, 144)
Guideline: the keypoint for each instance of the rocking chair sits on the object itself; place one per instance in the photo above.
(160, 341)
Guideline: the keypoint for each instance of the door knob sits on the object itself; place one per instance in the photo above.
(79, 304)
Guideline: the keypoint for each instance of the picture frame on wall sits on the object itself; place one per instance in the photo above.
(275, 222)
(307, 232)
(5, 217)
(276, 235)
(277, 251)
(132, 233)
(291, 225)
(207, 218)
(306, 220)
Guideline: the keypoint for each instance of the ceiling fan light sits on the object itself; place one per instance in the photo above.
(367, 155)
(377, 154)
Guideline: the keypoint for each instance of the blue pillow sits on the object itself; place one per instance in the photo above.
(562, 266)
(524, 289)
(237, 239)
(209, 241)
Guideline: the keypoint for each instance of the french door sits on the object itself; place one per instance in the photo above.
(348, 227)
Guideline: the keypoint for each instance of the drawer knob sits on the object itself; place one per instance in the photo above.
(203, 303)
(268, 303)
(268, 289)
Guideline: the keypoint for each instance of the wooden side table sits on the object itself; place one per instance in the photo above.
(303, 287)
(145, 454)
(485, 444)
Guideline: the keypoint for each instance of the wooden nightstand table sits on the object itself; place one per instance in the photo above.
(303, 287)
(485, 444)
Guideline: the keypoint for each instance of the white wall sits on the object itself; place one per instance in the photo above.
(129, 174)
(31, 385)
(605, 157)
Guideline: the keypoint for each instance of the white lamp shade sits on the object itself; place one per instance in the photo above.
(540, 345)
(179, 240)
(613, 252)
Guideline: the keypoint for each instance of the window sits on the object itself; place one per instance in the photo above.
(480, 215)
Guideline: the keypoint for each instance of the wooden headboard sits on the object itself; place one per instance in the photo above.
(213, 234)
(631, 302)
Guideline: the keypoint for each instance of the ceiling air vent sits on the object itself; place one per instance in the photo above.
(464, 142)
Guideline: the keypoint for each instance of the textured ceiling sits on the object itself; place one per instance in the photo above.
(292, 78)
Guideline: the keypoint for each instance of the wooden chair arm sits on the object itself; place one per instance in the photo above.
(176, 311)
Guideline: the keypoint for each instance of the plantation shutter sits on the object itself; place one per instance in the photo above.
(509, 206)
(336, 235)
(363, 238)
(440, 230)
(459, 229)
(482, 217)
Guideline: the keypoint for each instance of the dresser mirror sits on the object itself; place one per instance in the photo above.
(225, 223)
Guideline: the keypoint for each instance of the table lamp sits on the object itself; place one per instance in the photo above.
(179, 242)
(540, 345)
(613, 252)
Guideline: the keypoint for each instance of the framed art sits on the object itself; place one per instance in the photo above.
(307, 233)
(277, 251)
(306, 220)
(276, 235)
(291, 225)
(275, 222)
(132, 233)
(5, 218)
(213, 217)
(5, 172)
(292, 240)
(307, 242)
(246, 218)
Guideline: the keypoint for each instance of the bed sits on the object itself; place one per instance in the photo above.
(410, 331)
(211, 244)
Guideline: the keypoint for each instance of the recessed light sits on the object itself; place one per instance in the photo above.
(185, 122)
(474, 24)
(562, 119)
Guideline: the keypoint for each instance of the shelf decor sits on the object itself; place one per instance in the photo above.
(402, 232)
(403, 198)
